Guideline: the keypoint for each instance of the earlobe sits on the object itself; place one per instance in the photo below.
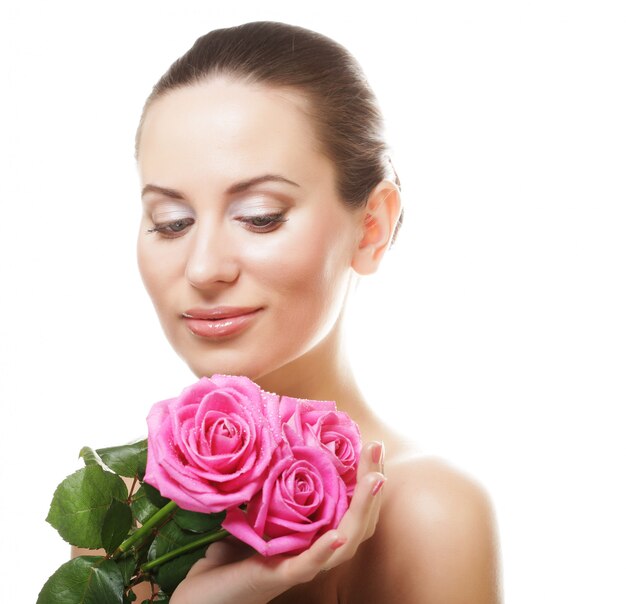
(379, 219)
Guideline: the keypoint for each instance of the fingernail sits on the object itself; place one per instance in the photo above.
(379, 485)
(337, 543)
(377, 452)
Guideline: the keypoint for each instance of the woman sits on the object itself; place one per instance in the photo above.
(267, 191)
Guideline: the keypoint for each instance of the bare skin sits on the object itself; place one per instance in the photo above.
(428, 536)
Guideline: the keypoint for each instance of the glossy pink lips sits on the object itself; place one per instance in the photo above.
(219, 322)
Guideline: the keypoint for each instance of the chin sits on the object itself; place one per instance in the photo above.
(208, 367)
(255, 358)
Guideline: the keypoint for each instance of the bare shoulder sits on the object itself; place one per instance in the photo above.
(436, 539)
(430, 489)
(443, 525)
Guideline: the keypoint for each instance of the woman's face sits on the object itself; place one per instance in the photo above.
(250, 228)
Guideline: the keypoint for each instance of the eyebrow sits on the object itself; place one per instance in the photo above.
(238, 187)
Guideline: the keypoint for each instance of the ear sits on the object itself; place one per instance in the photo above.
(378, 222)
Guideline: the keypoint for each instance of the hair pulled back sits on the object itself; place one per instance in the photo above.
(343, 107)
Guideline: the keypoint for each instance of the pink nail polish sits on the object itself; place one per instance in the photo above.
(337, 543)
(378, 486)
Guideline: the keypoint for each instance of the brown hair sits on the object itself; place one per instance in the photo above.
(342, 104)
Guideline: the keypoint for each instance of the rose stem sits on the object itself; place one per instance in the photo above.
(146, 527)
(210, 538)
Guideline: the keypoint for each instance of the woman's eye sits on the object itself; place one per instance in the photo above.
(264, 223)
(170, 229)
(258, 224)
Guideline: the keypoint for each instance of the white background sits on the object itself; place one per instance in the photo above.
(494, 333)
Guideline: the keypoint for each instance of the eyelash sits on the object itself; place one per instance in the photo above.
(273, 220)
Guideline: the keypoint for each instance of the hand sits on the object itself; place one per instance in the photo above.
(233, 573)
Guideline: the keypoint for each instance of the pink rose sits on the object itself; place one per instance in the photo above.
(302, 498)
(319, 422)
(209, 448)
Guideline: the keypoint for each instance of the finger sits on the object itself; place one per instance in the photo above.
(371, 459)
(374, 513)
(267, 577)
(359, 522)
(236, 581)
(305, 566)
(363, 511)
(373, 456)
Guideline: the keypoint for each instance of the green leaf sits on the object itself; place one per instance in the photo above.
(128, 567)
(126, 460)
(170, 537)
(154, 496)
(81, 502)
(84, 580)
(91, 458)
(116, 524)
(197, 522)
(141, 505)
(170, 574)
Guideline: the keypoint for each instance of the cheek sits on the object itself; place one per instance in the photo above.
(304, 273)
(156, 267)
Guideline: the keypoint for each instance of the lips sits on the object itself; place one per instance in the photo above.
(220, 322)
(219, 312)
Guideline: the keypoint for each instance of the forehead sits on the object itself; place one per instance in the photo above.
(231, 126)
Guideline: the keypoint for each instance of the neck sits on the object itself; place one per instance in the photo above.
(323, 373)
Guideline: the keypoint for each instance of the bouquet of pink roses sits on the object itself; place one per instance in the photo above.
(224, 457)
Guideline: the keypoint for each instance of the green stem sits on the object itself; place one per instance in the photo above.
(145, 528)
(210, 538)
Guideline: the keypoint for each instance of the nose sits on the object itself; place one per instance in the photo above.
(212, 259)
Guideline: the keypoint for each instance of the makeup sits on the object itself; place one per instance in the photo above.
(219, 322)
